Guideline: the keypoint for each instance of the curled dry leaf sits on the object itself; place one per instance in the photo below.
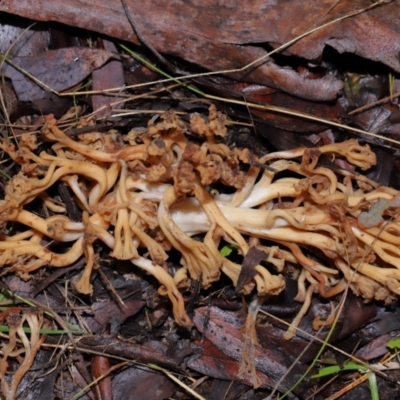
(229, 36)
(58, 69)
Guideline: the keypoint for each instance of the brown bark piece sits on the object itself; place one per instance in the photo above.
(100, 369)
(224, 330)
(113, 346)
(215, 364)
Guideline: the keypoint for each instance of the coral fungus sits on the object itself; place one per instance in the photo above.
(158, 190)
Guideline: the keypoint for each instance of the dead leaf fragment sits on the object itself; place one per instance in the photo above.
(224, 330)
(58, 69)
(108, 76)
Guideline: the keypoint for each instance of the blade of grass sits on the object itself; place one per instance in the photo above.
(47, 311)
(86, 388)
(5, 328)
(373, 386)
(333, 369)
(5, 174)
(74, 97)
(151, 66)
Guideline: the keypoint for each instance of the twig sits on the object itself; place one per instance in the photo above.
(144, 40)
(374, 103)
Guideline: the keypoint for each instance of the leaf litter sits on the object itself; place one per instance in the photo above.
(166, 194)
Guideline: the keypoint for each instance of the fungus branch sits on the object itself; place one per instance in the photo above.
(20, 344)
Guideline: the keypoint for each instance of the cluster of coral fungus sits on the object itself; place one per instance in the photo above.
(152, 190)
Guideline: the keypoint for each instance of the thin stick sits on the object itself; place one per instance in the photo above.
(176, 380)
(144, 40)
(374, 103)
(96, 381)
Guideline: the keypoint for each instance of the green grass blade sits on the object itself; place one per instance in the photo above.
(149, 65)
(373, 386)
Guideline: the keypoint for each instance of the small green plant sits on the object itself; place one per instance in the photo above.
(74, 97)
(394, 344)
(351, 366)
(227, 250)
(333, 369)
(392, 80)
